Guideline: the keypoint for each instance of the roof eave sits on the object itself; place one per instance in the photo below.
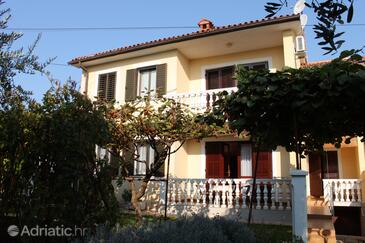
(222, 30)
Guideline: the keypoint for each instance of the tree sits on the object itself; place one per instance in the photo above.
(299, 109)
(329, 13)
(157, 122)
(14, 61)
(49, 173)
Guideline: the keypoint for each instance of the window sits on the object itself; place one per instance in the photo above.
(147, 154)
(106, 86)
(143, 80)
(147, 81)
(103, 154)
(223, 77)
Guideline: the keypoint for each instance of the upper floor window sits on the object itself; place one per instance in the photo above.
(140, 81)
(220, 78)
(106, 86)
(147, 81)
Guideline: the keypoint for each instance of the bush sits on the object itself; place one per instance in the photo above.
(127, 195)
(194, 229)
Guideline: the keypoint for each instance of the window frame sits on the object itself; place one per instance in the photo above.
(107, 83)
(250, 65)
(139, 81)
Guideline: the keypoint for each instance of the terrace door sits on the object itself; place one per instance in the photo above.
(214, 160)
(322, 166)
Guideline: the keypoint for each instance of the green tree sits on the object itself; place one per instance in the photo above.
(299, 109)
(157, 122)
(329, 14)
(49, 172)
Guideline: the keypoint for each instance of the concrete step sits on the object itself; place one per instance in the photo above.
(316, 212)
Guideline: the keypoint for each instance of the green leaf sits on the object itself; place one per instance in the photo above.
(350, 12)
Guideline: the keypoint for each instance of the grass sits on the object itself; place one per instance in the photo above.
(264, 233)
(272, 233)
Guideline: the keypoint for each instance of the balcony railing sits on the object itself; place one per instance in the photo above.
(199, 101)
(342, 192)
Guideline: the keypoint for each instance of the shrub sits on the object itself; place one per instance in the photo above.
(194, 229)
(127, 195)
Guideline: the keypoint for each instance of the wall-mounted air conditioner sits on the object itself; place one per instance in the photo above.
(300, 43)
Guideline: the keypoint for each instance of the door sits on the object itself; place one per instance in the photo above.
(322, 166)
(214, 160)
(315, 175)
(264, 169)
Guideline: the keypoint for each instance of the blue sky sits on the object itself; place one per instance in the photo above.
(66, 45)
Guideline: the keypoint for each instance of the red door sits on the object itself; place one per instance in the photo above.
(214, 160)
(264, 170)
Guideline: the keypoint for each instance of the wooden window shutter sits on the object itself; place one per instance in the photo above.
(131, 85)
(102, 86)
(111, 82)
(214, 160)
(161, 78)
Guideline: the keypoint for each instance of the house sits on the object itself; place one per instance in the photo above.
(192, 68)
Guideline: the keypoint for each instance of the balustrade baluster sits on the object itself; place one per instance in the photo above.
(288, 195)
(173, 197)
(265, 194)
(230, 197)
(237, 194)
(280, 195)
(224, 193)
(178, 192)
(258, 195)
(210, 195)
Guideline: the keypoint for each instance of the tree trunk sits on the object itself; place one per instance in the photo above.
(137, 194)
(253, 193)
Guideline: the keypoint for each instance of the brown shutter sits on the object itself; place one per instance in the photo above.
(111, 82)
(131, 85)
(214, 160)
(161, 77)
(264, 171)
(102, 86)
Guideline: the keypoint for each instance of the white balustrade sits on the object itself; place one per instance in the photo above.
(271, 194)
(199, 102)
(342, 192)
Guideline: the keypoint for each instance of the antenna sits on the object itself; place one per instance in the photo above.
(303, 20)
(299, 6)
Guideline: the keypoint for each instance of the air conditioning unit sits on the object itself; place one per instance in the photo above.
(300, 43)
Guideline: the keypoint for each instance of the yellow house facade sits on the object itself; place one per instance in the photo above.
(192, 68)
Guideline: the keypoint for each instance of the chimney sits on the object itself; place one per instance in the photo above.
(205, 25)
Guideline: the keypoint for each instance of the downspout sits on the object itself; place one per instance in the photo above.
(86, 78)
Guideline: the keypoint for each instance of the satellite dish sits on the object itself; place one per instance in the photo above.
(299, 6)
(303, 20)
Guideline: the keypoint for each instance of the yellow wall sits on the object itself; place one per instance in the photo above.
(184, 75)
(121, 67)
(289, 49)
(349, 163)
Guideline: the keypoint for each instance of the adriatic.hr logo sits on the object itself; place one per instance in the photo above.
(14, 230)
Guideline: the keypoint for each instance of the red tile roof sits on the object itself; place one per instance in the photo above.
(188, 36)
(320, 63)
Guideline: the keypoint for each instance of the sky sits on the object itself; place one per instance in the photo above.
(65, 45)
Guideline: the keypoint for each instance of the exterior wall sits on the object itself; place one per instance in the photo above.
(289, 49)
(121, 67)
(349, 163)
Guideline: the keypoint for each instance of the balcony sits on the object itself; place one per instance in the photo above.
(342, 192)
(199, 101)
